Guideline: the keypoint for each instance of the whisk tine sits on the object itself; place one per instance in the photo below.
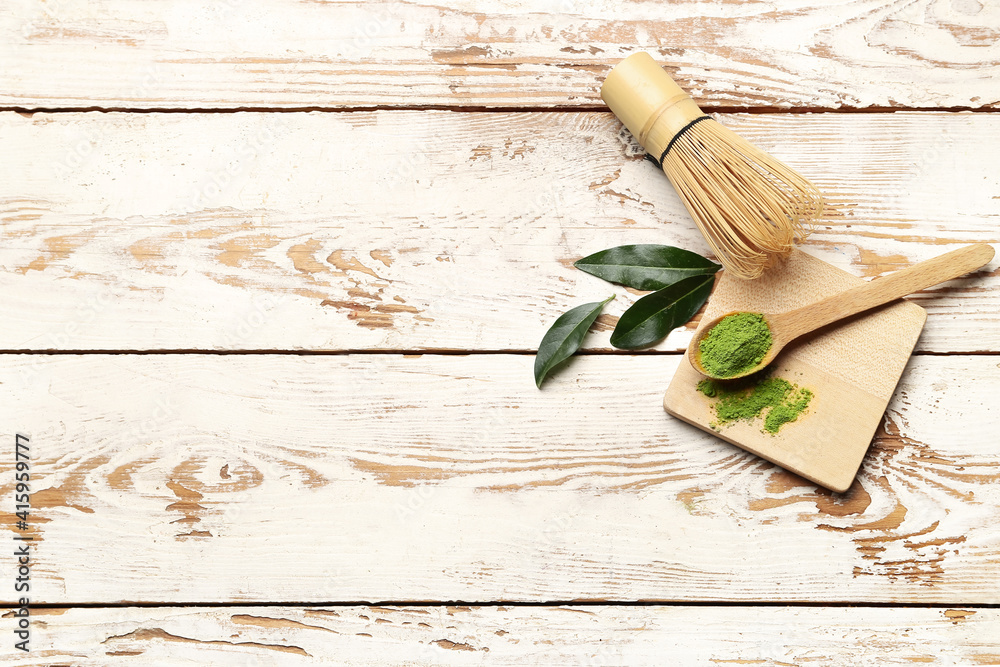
(750, 207)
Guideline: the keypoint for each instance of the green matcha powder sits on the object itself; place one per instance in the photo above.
(735, 345)
(748, 399)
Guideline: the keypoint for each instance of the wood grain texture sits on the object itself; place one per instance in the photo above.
(279, 53)
(557, 635)
(430, 230)
(269, 478)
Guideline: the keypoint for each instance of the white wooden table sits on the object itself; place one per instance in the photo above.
(271, 279)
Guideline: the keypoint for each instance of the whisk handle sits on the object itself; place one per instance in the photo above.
(648, 102)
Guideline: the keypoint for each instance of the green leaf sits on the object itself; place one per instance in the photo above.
(564, 337)
(653, 316)
(647, 266)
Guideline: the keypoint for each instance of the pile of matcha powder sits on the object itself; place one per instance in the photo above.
(747, 399)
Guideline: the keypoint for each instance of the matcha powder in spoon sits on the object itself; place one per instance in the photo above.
(736, 344)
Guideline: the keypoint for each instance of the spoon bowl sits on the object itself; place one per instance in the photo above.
(694, 350)
(786, 327)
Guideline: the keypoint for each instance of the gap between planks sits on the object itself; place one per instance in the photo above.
(760, 111)
(445, 352)
(512, 603)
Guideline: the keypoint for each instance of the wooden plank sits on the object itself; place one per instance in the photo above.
(429, 230)
(821, 54)
(270, 478)
(557, 635)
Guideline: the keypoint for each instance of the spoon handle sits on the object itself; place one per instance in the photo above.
(883, 290)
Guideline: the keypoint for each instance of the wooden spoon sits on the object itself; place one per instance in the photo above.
(786, 327)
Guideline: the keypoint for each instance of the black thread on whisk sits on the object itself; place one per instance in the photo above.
(659, 163)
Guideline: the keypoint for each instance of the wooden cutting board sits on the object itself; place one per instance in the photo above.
(851, 367)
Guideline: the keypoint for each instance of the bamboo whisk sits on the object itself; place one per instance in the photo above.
(749, 206)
